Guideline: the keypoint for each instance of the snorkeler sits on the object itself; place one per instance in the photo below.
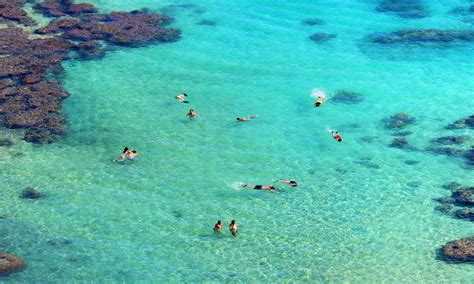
(259, 187)
(132, 154)
(336, 136)
(192, 114)
(240, 119)
(319, 101)
(181, 98)
(290, 182)
(233, 227)
(123, 155)
(218, 226)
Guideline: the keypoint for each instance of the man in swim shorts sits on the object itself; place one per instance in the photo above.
(192, 114)
(259, 187)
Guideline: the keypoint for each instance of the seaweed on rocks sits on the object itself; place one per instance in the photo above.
(408, 9)
(422, 36)
(29, 98)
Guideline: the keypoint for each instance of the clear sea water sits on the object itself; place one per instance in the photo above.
(360, 214)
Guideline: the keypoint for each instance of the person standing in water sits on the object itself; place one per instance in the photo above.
(233, 228)
(336, 136)
(192, 114)
(218, 226)
(181, 98)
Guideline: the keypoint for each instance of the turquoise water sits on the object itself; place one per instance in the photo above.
(354, 218)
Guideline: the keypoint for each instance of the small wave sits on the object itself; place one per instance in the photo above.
(316, 93)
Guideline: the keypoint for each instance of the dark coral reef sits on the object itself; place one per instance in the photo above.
(29, 96)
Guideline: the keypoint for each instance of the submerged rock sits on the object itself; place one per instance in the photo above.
(12, 12)
(322, 37)
(469, 156)
(410, 9)
(445, 200)
(347, 97)
(448, 151)
(402, 133)
(423, 36)
(30, 193)
(313, 22)
(451, 185)
(207, 23)
(459, 251)
(411, 162)
(56, 242)
(400, 143)
(399, 120)
(9, 264)
(465, 214)
(464, 196)
(6, 142)
(467, 122)
(449, 140)
(445, 208)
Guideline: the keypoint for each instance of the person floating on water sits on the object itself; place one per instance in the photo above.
(132, 155)
(192, 114)
(233, 227)
(336, 136)
(218, 226)
(259, 187)
(240, 119)
(319, 102)
(181, 98)
(320, 97)
(290, 182)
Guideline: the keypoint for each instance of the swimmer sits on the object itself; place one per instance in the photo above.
(320, 97)
(123, 155)
(192, 114)
(182, 99)
(240, 119)
(290, 182)
(319, 102)
(218, 226)
(132, 154)
(259, 187)
(233, 228)
(336, 136)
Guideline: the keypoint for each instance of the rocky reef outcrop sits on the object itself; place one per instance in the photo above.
(30, 193)
(347, 97)
(398, 121)
(423, 36)
(9, 264)
(409, 9)
(459, 251)
(29, 98)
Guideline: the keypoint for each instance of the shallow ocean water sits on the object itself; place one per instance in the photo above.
(357, 215)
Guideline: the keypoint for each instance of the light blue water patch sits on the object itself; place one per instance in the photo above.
(360, 214)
